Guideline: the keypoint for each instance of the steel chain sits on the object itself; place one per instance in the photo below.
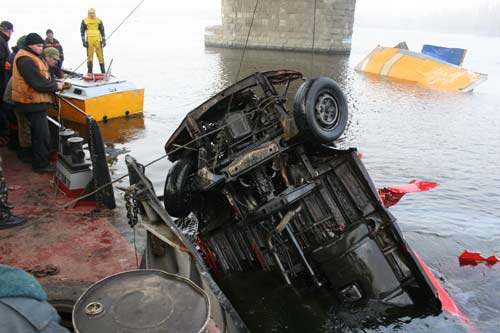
(132, 208)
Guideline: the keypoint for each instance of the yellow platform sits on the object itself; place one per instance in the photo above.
(425, 70)
(102, 100)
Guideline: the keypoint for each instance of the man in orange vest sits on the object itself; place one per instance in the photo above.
(33, 91)
(96, 40)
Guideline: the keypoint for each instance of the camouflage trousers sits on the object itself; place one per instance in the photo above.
(5, 207)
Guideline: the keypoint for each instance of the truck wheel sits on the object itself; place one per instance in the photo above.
(320, 111)
(177, 193)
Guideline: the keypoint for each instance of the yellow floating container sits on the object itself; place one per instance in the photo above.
(423, 69)
(100, 99)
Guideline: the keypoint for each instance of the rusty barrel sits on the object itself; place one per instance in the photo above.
(142, 301)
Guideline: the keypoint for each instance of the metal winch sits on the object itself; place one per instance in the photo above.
(73, 167)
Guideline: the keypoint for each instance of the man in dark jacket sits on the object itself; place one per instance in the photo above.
(50, 41)
(10, 58)
(24, 152)
(33, 91)
(6, 30)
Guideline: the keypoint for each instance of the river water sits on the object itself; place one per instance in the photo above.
(404, 132)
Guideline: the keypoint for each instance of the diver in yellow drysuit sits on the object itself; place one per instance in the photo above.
(95, 40)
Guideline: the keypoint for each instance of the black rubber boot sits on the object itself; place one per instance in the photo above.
(103, 68)
(89, 67)
(12, 221)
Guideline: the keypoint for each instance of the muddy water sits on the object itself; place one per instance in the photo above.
(405, 132)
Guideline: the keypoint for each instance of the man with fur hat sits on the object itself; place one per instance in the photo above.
(32, 91)
(94, 29)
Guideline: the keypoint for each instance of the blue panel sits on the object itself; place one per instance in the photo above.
(452, 55)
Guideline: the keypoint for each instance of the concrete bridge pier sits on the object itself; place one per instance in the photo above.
(285, 25)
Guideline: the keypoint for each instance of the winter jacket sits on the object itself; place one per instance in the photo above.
(23, 304)
(93, 27)
(32, 83)
(4, 54)
(9, 62)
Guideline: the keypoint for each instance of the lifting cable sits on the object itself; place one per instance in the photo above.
(246, 41)
(313, 39)
(240, 65)
(243, 52)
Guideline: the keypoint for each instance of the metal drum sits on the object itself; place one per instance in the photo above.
(142, 301)
(64, 136)
(76, 149)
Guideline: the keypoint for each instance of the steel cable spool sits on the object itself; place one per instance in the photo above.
(142, 301)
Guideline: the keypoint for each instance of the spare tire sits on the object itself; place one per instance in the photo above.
(177, 193)
(320, 111)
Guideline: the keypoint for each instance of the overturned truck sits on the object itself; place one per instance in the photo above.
(265, 189)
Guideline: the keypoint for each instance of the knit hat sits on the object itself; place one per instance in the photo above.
(21, 42)
(33, 38)
(51, 52)
(7, 25)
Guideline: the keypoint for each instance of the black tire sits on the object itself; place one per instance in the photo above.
(320, 111)
(177, 193)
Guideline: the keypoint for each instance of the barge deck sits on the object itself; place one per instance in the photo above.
(71, 244)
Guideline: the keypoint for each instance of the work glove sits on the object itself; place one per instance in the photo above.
(103, 42)
(66, 85)
(85, 44)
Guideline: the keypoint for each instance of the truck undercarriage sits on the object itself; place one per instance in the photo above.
(266, 189)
